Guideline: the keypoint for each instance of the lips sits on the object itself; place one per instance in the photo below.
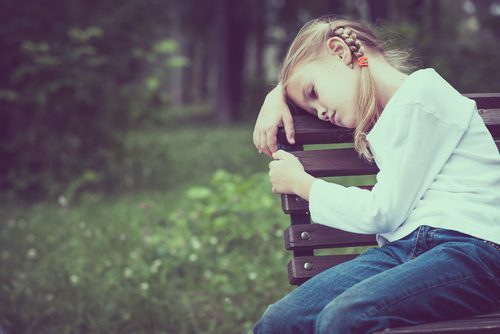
(333, 120)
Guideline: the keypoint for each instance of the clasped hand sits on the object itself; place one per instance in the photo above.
(288, 176)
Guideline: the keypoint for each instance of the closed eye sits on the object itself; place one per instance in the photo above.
(312, 93)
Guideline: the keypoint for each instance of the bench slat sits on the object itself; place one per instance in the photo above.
(311, 130)
(334, 162)
(320, 236)
(491, 118)
(469, 325)
(298, 274)
(485, 100)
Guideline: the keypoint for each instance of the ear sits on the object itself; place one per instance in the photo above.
(338, 48)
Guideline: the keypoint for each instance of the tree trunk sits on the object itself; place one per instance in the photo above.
(223, 100)
(231, 39)
(175, 76)
(260, 40)
(379, 10)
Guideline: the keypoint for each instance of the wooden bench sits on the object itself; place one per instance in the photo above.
(303, 238)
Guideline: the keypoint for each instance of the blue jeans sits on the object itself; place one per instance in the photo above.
(432, 274)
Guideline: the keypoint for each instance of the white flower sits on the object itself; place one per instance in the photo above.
(127, 272)
(74, 279)
(31, 253)
(155, 266)
(195, 243)
(62, 200)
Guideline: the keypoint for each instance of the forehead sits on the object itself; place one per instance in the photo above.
(299, 77)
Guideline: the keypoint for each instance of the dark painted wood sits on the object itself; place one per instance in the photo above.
(297, 273)
(301, 219)
(486, 323)
(310, 130)
(335, 162)
(485, 100)
(319, 236)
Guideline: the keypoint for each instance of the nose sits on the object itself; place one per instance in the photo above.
(323, 114)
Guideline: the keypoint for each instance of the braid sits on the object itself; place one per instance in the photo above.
(351, 39)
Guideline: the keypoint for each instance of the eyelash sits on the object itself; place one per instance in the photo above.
(312, 93)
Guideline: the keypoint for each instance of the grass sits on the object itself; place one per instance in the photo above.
(161, 257)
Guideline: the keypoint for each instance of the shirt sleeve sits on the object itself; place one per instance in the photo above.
(413, 148)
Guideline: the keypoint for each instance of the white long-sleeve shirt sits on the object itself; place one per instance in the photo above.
(438, 166)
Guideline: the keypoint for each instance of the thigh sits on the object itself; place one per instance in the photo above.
(453, 279)
(297, 311)
(327, 285)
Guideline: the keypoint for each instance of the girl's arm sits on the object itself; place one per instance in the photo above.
(274, 113)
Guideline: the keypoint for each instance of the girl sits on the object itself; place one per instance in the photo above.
(435, 207)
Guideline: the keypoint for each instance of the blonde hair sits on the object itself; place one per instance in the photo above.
(309, 44)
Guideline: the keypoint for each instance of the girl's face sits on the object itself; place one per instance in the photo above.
(326, 88)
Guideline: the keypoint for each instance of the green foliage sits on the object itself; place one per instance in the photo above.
(165, 158)
(205, 260)
(70, 92)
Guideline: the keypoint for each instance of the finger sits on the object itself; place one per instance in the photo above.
(267, 152)
(263, 144)
(289, 129)
(271, 136)
(256, 138)
(280, 155)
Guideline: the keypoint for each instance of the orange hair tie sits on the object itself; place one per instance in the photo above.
(363, 61)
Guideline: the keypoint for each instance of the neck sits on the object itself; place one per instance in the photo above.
(387, 78)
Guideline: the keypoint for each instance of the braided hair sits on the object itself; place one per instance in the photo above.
(351, 39)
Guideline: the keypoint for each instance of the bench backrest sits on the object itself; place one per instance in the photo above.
(302, 237)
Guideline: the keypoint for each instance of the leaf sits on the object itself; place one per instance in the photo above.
(197, 193)
(177, 61)
(166, 46)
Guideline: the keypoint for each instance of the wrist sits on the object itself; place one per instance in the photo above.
(303, 185)
(276, 93)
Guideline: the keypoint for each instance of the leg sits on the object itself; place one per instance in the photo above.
(458, 276)
(297, 311)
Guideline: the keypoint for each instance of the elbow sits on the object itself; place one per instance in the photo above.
(381, 218)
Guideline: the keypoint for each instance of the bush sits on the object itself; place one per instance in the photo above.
(209, 259)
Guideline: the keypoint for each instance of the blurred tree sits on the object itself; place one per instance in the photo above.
(232, 32)
(379, 10)
(78, 75)
(75, 76)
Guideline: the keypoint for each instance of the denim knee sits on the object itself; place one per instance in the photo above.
(283, 318)
(271, 321)
(345, 314)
